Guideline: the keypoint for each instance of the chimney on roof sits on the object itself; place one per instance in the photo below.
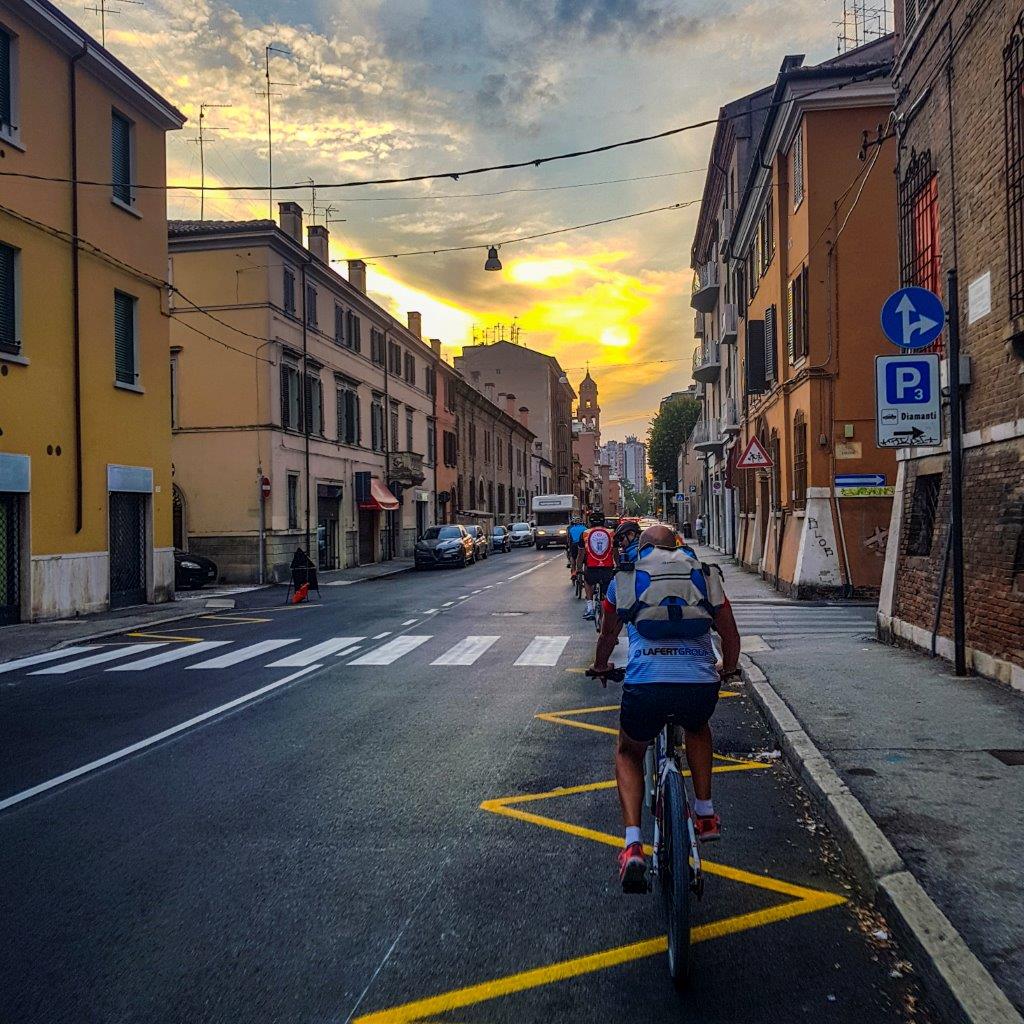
(435, 344)
(415, 321)
(290, 216)
(318, 242)
(357, 275)
(489, 391)
(509, 406)
(524, 416)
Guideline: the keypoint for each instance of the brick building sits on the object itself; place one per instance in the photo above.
(959, 77)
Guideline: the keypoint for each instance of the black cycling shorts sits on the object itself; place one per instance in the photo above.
(647, 707)
(596, 574)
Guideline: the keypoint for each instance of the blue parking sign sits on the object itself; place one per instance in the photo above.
(908, 382)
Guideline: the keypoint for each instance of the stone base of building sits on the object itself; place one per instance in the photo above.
(895, 631)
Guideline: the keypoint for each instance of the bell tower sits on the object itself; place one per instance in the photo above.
(588, 411)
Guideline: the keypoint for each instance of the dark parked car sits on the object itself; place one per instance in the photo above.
(501, 539)
(445, 545)
(480, 540)
(192, 570)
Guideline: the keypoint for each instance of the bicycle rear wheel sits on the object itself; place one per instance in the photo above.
(674, 878)
(578, 582)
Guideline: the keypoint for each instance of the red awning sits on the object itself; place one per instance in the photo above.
(381, 499)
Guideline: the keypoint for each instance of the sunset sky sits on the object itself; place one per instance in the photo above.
(376, 88)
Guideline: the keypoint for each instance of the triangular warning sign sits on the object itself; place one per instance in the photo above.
(754, 457)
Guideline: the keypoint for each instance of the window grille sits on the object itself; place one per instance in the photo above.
(8, 299)
(920, 240)
(799, 460)
(923, 509)
(1013, 85)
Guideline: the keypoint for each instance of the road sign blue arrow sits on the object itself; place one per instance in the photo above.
(913, 317)
(861, 480)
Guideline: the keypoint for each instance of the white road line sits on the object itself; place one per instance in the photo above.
(533, 568)
(27, 794)
(476, 591)
(543, 650)
(391, 651)
(466, 651)
(379, 636)
(430, 611)
(489, 586)
(108, 654)
(242, 654)
(348, 650)
(447, 604)
(175, 654)
(410, 622)
(300, 659)
(465, 597)
(39, 659)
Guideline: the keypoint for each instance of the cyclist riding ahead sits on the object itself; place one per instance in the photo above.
(670, 602)
(596, 559)
(576, 531)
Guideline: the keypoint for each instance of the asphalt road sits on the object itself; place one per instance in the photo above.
(369, 829)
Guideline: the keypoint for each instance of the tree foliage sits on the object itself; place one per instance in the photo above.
(640, 503)
(665, 436)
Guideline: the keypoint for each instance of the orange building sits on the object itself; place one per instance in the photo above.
(813, 255)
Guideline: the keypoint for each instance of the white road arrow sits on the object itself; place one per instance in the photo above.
(923, 323)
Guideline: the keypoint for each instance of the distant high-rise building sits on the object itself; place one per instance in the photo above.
(634, 463)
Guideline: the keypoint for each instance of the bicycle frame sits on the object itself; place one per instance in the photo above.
(666, 759)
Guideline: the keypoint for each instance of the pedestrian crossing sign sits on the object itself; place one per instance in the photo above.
(754, 456)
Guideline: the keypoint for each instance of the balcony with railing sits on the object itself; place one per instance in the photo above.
(707, 435)
(406, 468)
(705, 287)
(707, 362)
(730, 417)
(728, 331)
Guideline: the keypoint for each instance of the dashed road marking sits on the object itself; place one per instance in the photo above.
(175, 654)
(466, 651)
(242, 654)
(391, 651)
(300, 659)
(110, 654)
(41, 659)
(543, 650)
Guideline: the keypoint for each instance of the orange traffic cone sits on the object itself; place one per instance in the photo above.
(301, 594)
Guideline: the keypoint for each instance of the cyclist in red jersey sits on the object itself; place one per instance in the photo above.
(596, 559)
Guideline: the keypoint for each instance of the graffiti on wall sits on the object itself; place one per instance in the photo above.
(878, 540)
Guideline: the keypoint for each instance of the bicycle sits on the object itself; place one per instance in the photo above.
(598, 607)
(676, 863)
(577, 581)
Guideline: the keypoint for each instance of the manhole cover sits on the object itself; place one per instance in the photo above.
(1009, 757)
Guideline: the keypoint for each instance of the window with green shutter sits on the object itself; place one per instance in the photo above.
(6, 83)
(8, 299)
(121, 157)
(125, 369)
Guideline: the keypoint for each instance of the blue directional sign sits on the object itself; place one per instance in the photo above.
(861, 480)
(908, 402)
(913, 317)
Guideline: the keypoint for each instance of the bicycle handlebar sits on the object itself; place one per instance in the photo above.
(616, 675)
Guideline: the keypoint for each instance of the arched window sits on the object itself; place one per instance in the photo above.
(480, 495)
(799, 460)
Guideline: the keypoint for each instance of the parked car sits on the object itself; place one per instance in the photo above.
(501, 540)
(192, 570)
(444, 545)
(480, 541)
(521, 535)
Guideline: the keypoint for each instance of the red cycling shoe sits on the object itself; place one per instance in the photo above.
(633, 868)
(708, 828)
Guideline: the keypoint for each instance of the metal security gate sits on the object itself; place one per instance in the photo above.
(10, 560)
(127, 549)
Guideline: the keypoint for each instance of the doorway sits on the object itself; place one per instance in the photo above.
(178, 519)
(10, 559)
(367, 536)
(327, 518)
(421, 518)
(127, 549)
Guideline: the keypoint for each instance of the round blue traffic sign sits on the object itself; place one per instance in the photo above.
(913, 317)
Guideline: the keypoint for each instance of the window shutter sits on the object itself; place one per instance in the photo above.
(805, 319)
(5, 79)
(124, 338)
(770, 341)
(755, 357)
(798, 168)
(307, 405)
(121, 156)
(8, 309)
(339, 325)
(286, 394)
(354, 418)
(288, 279)
(791, 314)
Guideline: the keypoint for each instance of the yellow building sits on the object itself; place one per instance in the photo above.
(85, 477)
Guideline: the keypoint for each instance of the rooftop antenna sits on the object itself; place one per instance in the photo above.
(312, 192)
(102, 11)
(201, 140)
(268, 92)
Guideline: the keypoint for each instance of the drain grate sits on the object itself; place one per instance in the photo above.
(1013, 758)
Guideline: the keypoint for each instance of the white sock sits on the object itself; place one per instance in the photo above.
(632, 835)
(703, 808)
(590, 606)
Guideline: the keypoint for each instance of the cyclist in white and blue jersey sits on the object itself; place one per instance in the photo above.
(672, 675)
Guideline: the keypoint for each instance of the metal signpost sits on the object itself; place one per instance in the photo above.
(909, 412)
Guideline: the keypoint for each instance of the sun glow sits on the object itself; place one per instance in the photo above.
(616, 337)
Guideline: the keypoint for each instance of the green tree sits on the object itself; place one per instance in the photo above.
(665, 436)
(638, 503)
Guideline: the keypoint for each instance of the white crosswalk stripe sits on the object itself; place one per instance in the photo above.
(40, 659)
(242, 654)
(108, 654)
(175, 654)
(300, 659)
(391, 651)
(466, 651)
(543, 650)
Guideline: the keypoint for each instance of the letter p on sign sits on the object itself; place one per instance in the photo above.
(907, 383)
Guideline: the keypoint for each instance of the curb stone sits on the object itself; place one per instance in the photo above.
(956, 980)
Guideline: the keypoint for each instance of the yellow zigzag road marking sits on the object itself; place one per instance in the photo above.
(802, 901)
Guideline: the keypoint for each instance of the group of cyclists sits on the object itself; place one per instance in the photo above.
(670, 602)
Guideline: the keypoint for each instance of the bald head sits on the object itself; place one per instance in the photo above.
(659, 536)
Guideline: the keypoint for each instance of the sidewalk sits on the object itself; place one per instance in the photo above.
(919, 748)
(363, 573)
